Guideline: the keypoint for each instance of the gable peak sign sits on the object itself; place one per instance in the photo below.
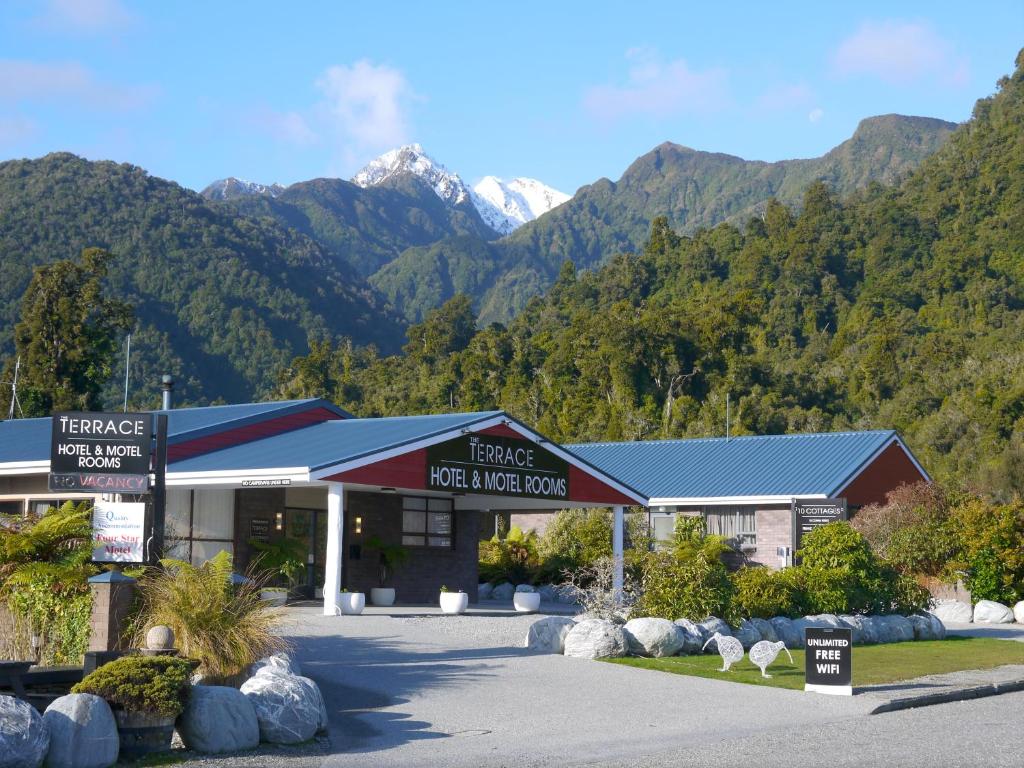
(496, 466)
(100, 452)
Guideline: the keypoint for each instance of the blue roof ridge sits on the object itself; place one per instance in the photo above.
(468, 415)
(734, 438)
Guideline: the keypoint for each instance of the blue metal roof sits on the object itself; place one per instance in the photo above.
(29, 439)
(768, 465)
(331, 442)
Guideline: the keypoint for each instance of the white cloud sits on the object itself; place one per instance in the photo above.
(40, 82)
(657, 88)
(900, 52)
(289, 127)
(784, 97)
(85, 16)
(816, 114)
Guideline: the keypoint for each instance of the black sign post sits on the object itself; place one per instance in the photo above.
(496, 466)
(100, 452)
(809, 514)
(156, 544)
(828, 661)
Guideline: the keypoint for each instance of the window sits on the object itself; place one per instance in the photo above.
(737, 524)
(427, 522)
(199, 524)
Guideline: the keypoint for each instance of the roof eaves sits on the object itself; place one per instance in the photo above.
(255, 418)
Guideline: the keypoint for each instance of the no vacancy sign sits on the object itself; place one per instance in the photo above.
(828, 661)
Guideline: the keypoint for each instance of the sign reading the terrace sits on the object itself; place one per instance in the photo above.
(809, 514)
(100, 452)
(118, 531)
(828, 661)
(496, 466)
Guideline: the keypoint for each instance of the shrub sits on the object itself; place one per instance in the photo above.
(677, 587)
(513, 558)
(157, 685)
(991, 556)
(762, 593)
(592, 586)
(223, 626)
(577, 536)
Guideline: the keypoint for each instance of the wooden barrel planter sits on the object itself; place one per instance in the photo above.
(142, 733)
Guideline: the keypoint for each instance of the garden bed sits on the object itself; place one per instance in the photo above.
(872, 664)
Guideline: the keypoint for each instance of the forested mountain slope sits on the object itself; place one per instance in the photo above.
(894, 308)
(693, 189)
(222, 300)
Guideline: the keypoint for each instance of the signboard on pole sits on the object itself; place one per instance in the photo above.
(496, 466)
(809, 514)
(118, 532)
(100, 452)
(828, 661)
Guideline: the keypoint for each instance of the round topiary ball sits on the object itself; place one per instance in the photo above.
(160, 638)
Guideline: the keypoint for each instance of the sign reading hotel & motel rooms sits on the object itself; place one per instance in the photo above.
(100, 452)
(496, 466)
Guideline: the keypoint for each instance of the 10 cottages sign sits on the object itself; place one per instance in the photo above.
(498, 466)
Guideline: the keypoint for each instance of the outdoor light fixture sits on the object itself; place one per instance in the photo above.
(388, 490)
(359, 524)
(279, 520)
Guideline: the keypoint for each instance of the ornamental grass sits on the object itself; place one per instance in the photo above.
(222, 625)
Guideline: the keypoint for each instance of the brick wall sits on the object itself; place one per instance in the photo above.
(774, 529)
(250, 504)
(419, 580)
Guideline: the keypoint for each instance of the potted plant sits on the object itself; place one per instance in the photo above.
(283, 560)
(146, 695)
(392, 556)
(351, 603)
(453, 602)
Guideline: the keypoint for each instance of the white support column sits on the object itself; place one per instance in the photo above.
(335, 535)
(618, 524)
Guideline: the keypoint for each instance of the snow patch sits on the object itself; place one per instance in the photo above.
(506, 206)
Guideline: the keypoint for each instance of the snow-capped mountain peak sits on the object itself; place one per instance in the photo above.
(412, 159)
(506, 206)
(229, 188)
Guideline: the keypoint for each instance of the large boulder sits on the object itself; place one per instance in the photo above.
(991, 612)
(927, 627)
(24, 736)
(766, 629)
(548, 593)
(289, 708)
(786, 631)
(863, 630)
(483, 592)
(83, 732)
(693, 637)
(528, 588)
(747, 634)
(283, 661)
(503, 591)
(596, 639)
(953, 612)
(547, 635)
(893, 629)
(654, 637)
(708, 627)
(1018, 612)
(219, 719)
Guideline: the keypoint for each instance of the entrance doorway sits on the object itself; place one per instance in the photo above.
(310, 527)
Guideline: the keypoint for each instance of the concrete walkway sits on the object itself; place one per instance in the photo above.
(410, 687)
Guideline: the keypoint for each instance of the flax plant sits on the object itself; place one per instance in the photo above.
(223, 626)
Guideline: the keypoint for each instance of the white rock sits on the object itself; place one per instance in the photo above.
(927, 627)
(747, 634)
(766, 629)
(991, 612)
(693, 638)
(525, 588)
(595, 639)
(862, 630)
(820, 621)
(953, 612)
(708, 627)
(483, 592)
(786, 631)
(893, 629)
(568, 595)
(654, 637)
(83, 732)
(1018, 612)
(219, 719)
(547, 635)
(289, 708)
(548, 593)
(279, 661)
(503, 591)
(24, 737)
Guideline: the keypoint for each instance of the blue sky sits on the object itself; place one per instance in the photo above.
(565, 92)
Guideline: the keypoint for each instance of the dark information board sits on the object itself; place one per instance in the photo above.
(809, 514)
(100, 452)
(828, 660)
(496, 466)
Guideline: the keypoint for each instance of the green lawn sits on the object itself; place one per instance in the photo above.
(872, 664)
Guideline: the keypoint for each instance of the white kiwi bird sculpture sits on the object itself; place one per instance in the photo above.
(763, 653)
(729, 648)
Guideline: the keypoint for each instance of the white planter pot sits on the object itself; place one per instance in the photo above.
(352, 603)
(382, 596)
(454, 602)
(526, 602)
(274, 596)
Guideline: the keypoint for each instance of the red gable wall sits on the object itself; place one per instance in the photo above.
(890, 469)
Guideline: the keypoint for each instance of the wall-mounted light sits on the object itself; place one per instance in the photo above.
(279, 521)
(388, 490)
(359, 524)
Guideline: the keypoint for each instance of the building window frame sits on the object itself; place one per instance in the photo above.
(743, 536)
(428, 522)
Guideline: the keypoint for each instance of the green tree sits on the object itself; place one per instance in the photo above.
(67, 336)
